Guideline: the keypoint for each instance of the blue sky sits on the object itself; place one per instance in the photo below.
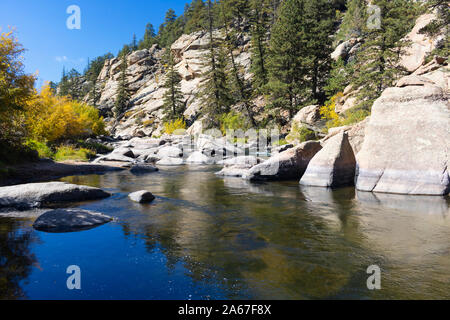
(105, 27)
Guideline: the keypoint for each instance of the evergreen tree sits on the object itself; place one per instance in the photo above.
(64, 84)
(300, 48)
(149, 37)
(354, 20)
(240, 89)
(215, 95)
(122, 98)
(195, 16)
(173, 97)
(238, 10)
(134, 45)
(377, 65)
(259, 28)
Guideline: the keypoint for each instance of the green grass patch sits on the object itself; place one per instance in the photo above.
(64, 153)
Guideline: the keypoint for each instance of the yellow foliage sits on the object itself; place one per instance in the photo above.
(175, 127)
(328, 112)
(16, 87)
(51, 118)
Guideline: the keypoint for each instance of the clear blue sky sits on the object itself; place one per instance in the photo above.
(105, 27)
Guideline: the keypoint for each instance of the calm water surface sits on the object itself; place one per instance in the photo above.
(211, 238)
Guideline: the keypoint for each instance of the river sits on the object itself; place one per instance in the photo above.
(206, 237)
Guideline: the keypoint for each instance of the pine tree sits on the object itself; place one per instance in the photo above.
(215, 94)
(377, 65)
(195, 16)
(122, 98)
(64, 84)
(354, 20)
(240, 89)
(149, 37)
(259, 28)
(300, 48)
(134, 45)
(173, 97)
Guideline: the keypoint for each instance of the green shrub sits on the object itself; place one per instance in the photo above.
(281, 142)
(64, 153)
(97, 147)
(300, 134)
(42, 149)
(232, 121)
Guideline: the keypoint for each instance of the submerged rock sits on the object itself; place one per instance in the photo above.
(233, 171)
(334, 166)
(143, 168)
(406, 148)
(143, 196)
(288, 165)
(70, 220)
(35, 195)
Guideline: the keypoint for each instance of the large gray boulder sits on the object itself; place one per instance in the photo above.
(334, 166)
(406, 148)
(288, 165)
(70, 220)
(35, 195)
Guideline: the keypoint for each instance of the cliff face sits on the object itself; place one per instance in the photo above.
(145, 76)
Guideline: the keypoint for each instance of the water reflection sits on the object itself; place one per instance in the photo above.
(279, 240)
(16, 257)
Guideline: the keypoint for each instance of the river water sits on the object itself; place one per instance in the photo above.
(207, 237)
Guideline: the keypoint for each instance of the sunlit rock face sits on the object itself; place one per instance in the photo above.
(146, 76)
(406, 147)
(334, 166)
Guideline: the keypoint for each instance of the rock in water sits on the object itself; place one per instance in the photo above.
(199, 158)
(69, 220)
(35, 195)
(334, 166)
(288, 165)
(143, 168)
(406, 148)
(142, 196)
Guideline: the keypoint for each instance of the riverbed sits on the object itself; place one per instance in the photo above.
(205, 237)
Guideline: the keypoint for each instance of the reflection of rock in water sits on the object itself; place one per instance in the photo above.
(247, 186)
(407, 203)
(16, 260)
(326, 195)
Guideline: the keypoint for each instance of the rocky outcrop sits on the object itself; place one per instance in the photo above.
(421, 44)
(355, 132)
(35, 195)
(70, 220)
(142, 196)
(406, 148)
(334, 166)
(346, 49)
(288, 165)
(146, 75)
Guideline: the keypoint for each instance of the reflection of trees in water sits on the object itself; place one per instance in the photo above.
(16, 259)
